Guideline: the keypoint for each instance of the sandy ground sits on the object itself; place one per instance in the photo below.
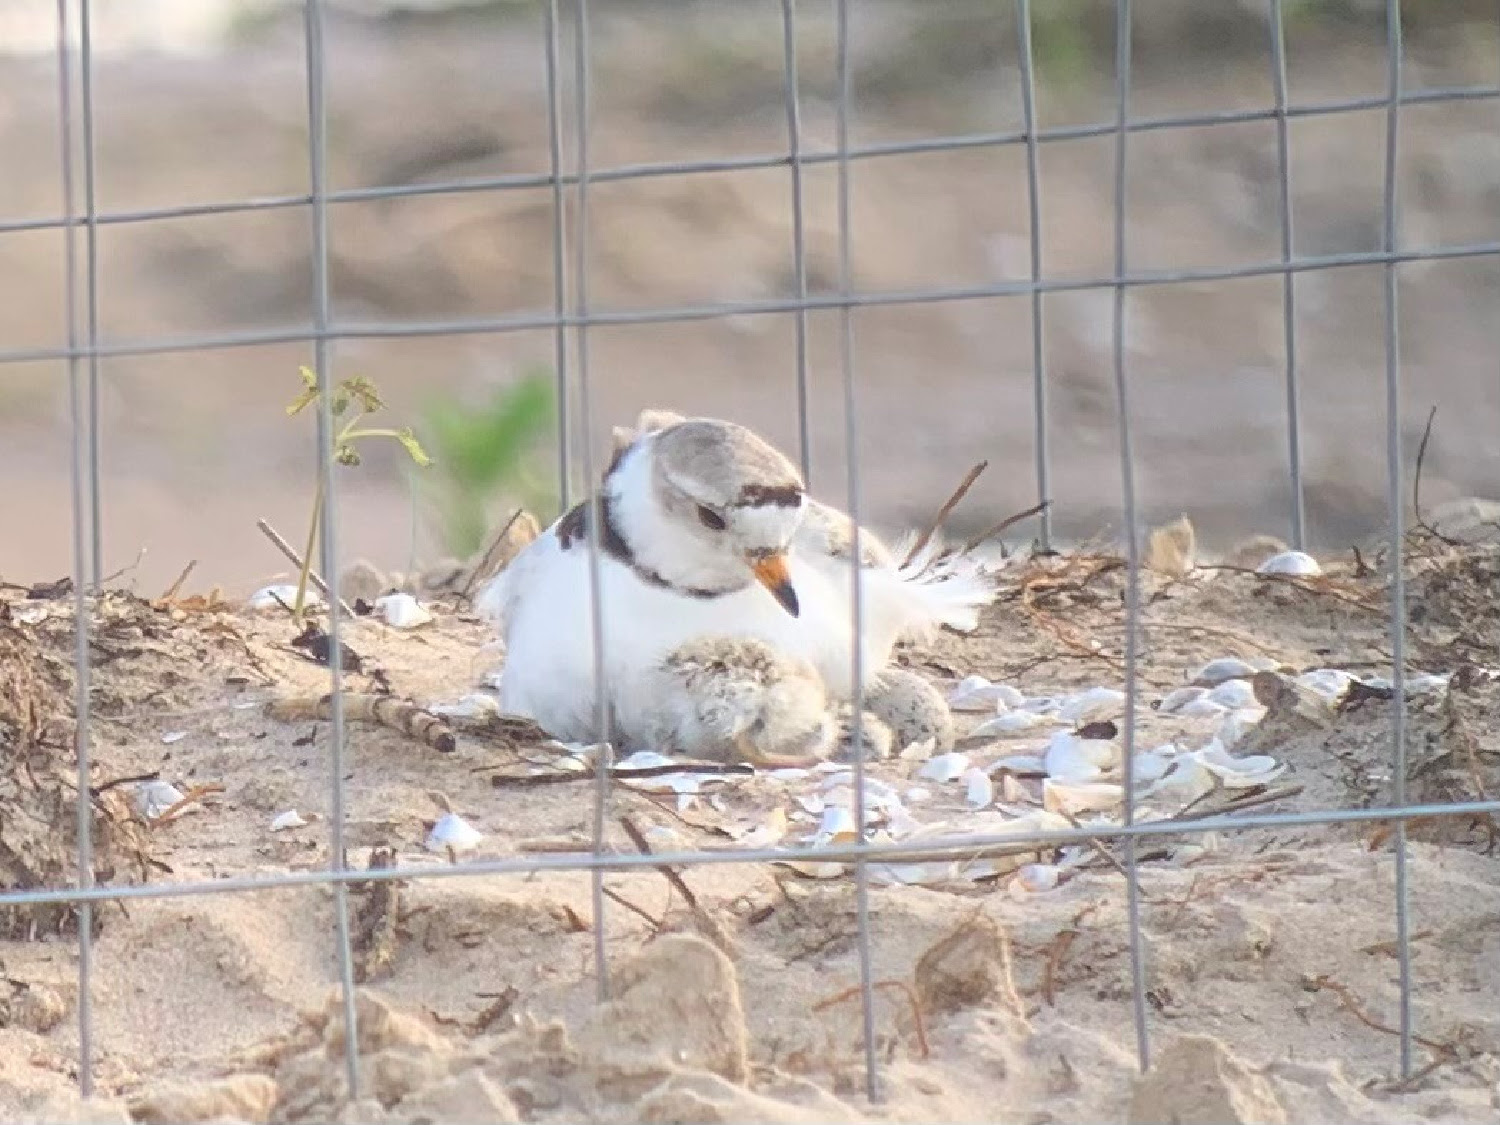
(1270, 976)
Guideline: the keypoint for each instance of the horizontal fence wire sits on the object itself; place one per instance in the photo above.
(571, 271)
(806, 158)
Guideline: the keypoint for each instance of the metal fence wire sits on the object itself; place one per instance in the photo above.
(571, 319)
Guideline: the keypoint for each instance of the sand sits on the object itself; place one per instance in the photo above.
(1270, 977)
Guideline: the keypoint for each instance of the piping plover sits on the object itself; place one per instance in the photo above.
(706, 533)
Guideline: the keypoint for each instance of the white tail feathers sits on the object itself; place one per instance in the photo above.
(943, 590)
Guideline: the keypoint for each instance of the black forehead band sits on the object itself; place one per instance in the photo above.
(769, 496)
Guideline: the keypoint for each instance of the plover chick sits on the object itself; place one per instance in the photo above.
(873, 734)
(702, 534)
(912, 708)
(735, 699)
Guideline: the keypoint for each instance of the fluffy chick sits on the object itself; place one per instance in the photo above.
(739, 699)
(912, 709)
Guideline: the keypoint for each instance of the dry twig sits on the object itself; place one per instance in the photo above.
(191, 798)
(296, 560)
(944, 512)
(1346, 998)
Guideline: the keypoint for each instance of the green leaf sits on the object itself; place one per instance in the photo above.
(309, 378)
(413, 447)
(363, 391)
(302, 401)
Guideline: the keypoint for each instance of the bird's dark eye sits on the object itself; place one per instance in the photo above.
(710, 518)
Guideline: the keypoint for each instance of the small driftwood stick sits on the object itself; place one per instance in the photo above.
(944, 512)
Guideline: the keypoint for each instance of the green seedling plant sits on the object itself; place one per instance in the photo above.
(489, 449)
(359, 395)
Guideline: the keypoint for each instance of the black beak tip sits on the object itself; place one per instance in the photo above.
(788, 599)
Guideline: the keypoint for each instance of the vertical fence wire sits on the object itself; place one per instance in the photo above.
(602, 708)
(317, 145)
(799, 229)
(1132, 531)
(1288, 277)
(553, 49)
(91, 285)
(1034, 209)
(1396, 516)
(844, 103)
(83, 733)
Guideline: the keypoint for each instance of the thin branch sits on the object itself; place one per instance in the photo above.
(1005, 525)
(488, 557)
(944, 512)
(296, 560)
(1416, 486)
(176, 587)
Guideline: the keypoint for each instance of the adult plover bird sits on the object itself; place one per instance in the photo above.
(706, 532)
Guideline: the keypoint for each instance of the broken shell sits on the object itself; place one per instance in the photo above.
(1237, 724)
(173, 736)
(1201, 706)
(289, 819)
(1429, 682)
(1043, 704)
(1233, 693)
(453, 833)
(1152, 765)
(1175, 701)
(267, 597)
(1330, 683)
(918, 751)
(1225, 668)
(1290, 562)
(33, 614)
(975, 693)
(837, 827)
(1070, 758)
(945, 767)
(1239, 773)
(1010, 723)
(643, 760)
(1187, 780)
(1037, 877)
(402, 611)
(979, 790)
(1072, 797)
(476, 705)
(788, 774)
(1088, 706)
(1020, 763)
(152, 798)
(918, 793)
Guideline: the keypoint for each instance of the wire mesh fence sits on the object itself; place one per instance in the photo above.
(570, 179)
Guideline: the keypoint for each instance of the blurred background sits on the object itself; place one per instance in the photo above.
(204, 101)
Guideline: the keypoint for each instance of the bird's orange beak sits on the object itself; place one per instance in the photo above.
(771, 572)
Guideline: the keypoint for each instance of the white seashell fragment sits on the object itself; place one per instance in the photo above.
(402, 611)
(1088, 706)
(763, 835)
(475, 705)
(266, 597)
(453, 833)
(918, 793)
(1290, 562)
(1238, 723)
(1043, 704)
(979, 791)
(1152, 765)
(1175, 701)
(1020, 763)
(173, 736)
(1037, 877)
(1330, 683)
(837, 827)
(1073, 797)
(975, 693)
(289, 819)
(643, 760)
(1203, 706)
(1070, 758)
(1225, 668)
(152, 798)
(812, 803)
(1427, 683)
(919, 750)
(790, 774)
(945, 767)
(33, 614)
(1233, 693)
(1238, 773)
(1188, 780)
(1010, 723)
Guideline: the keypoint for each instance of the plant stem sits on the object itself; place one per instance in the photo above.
(307, 555)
